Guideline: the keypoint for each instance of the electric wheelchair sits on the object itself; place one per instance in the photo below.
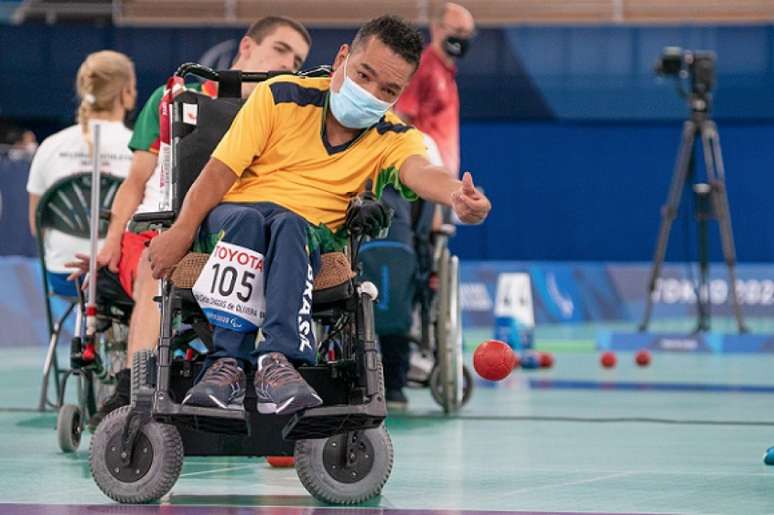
(343, 453)
(66, 207)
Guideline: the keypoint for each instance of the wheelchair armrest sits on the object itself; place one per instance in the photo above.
(163, 218)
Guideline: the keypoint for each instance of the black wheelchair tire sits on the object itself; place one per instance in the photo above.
(69, 427)
(314, 471)
(166, 448)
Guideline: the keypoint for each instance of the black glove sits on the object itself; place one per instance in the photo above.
(367, 216)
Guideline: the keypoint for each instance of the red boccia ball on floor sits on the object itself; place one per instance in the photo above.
(494, 360)
(546, 360)
(281, 462)
(642, 358)
(608, 359)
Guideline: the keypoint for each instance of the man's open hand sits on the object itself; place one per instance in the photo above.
(470, 205)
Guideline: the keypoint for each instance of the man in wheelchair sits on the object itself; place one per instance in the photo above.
(275, 193)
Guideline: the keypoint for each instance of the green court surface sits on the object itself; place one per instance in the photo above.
(685, 435)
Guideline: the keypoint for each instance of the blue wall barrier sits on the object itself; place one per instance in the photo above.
(573, 292)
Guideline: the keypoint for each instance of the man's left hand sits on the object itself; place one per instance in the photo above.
(470, 205)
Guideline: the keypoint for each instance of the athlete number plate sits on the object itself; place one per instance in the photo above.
(230, 288)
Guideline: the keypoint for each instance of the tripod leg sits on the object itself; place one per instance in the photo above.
(669, 211)
(713, 159)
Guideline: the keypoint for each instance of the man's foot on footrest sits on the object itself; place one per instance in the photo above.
(279, 387)
(223, 386)
(121, 397)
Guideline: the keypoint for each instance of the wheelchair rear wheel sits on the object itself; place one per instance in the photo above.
(436, 386)
(69, 427)
(155, 464)
(345, 469)
(448, 333)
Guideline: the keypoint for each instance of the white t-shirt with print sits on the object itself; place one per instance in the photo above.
(67, 153)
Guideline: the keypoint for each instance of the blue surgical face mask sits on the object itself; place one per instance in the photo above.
(354, 107)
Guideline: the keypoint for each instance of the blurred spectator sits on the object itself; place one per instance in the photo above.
(107, 90)
(24, 147)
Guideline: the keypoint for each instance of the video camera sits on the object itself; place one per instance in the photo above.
(698, 66)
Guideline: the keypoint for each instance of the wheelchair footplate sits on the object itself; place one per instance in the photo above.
(245, 432)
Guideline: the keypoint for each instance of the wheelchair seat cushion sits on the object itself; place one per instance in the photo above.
(188, 269)
(335, 271)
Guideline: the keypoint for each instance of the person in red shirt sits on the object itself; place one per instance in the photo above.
(431, 102)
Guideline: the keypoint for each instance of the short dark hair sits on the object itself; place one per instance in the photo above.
(395, 32)
(265, 26)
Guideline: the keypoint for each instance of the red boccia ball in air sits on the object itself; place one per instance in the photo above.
(493, 360)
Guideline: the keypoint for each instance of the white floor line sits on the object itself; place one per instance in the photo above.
(564, 483)
(212, 471)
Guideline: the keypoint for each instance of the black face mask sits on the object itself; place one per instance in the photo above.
(456, 47)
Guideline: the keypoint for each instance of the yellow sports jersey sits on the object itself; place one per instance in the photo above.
(277, 147)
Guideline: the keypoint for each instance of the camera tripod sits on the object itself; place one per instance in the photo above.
(713, 203)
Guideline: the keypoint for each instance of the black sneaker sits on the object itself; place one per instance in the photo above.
(121, 397)
(396, 399)
(223, 386)
(279, 387)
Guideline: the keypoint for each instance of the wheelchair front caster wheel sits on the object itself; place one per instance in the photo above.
(345, 469)
(436, 388)
(69, 427)
(155, 465)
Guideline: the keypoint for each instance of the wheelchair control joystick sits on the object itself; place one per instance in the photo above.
(367, 215)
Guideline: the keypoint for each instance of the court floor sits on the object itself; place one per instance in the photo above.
(685, 435)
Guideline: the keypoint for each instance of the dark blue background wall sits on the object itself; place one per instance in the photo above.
(593, 191)
(566, 127)
(598, 73)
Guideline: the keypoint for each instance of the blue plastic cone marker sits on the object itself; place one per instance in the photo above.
(768, 458)
(530, 361)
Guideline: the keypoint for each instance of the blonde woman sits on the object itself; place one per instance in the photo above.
(107, 90)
